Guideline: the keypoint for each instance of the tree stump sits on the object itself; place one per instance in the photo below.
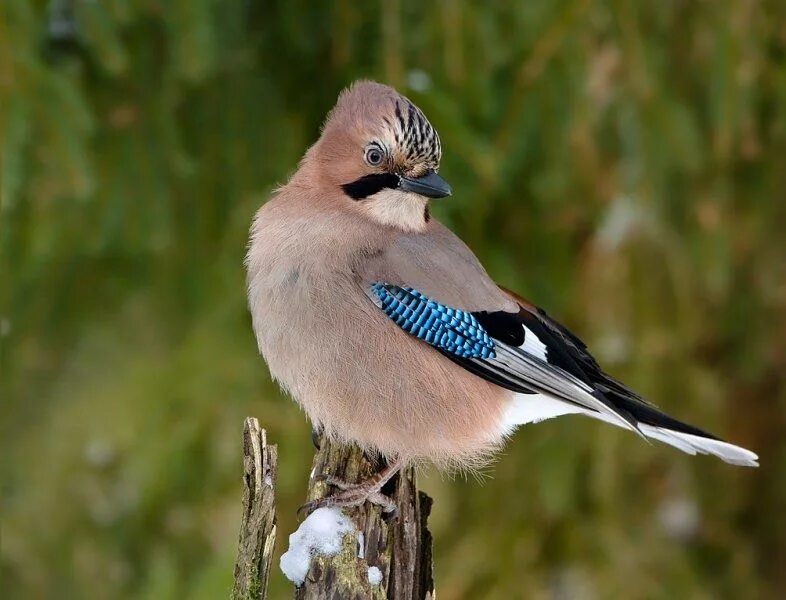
(258, 527)
(398, 545)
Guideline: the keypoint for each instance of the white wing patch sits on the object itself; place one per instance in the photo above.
(533, 345)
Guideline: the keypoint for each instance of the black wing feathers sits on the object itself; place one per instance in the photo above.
(509, 328)
(566, 350)
(502, 326)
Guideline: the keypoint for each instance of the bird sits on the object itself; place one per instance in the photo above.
(387, 330)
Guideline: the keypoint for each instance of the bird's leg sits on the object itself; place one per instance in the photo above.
(355, 494)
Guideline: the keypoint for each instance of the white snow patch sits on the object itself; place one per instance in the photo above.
(320, 533)
(374, 575)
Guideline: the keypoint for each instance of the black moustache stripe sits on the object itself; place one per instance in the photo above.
(368, 185)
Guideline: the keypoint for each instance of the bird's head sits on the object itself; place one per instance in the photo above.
(380, 152)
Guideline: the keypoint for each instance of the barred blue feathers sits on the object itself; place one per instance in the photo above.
(449, 329)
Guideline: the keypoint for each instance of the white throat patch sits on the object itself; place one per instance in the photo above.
(404, 210)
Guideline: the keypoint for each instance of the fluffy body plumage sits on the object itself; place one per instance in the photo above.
(385, 327)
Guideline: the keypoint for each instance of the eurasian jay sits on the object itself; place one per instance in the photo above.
(385, 327)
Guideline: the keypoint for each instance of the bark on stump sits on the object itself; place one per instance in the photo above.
(400, 546)
(258, 528)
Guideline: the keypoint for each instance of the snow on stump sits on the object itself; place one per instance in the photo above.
(319, 535)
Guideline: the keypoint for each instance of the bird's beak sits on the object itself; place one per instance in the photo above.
(430, 185)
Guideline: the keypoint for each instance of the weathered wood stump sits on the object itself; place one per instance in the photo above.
(398, 545)
(258, 527)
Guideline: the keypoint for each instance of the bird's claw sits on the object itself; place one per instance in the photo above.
(339, 483)
(350, 495)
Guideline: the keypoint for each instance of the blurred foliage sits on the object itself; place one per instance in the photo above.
(621, 163)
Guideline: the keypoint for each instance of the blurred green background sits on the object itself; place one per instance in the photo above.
(621, 163)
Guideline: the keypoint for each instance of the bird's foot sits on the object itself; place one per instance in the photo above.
(355, 494)
(351, 495)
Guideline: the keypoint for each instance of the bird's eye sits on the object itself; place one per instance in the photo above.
(374, 156)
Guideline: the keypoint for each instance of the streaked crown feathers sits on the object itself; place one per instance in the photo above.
(378, 114)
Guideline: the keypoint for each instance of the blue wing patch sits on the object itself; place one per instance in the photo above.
(452, 330)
